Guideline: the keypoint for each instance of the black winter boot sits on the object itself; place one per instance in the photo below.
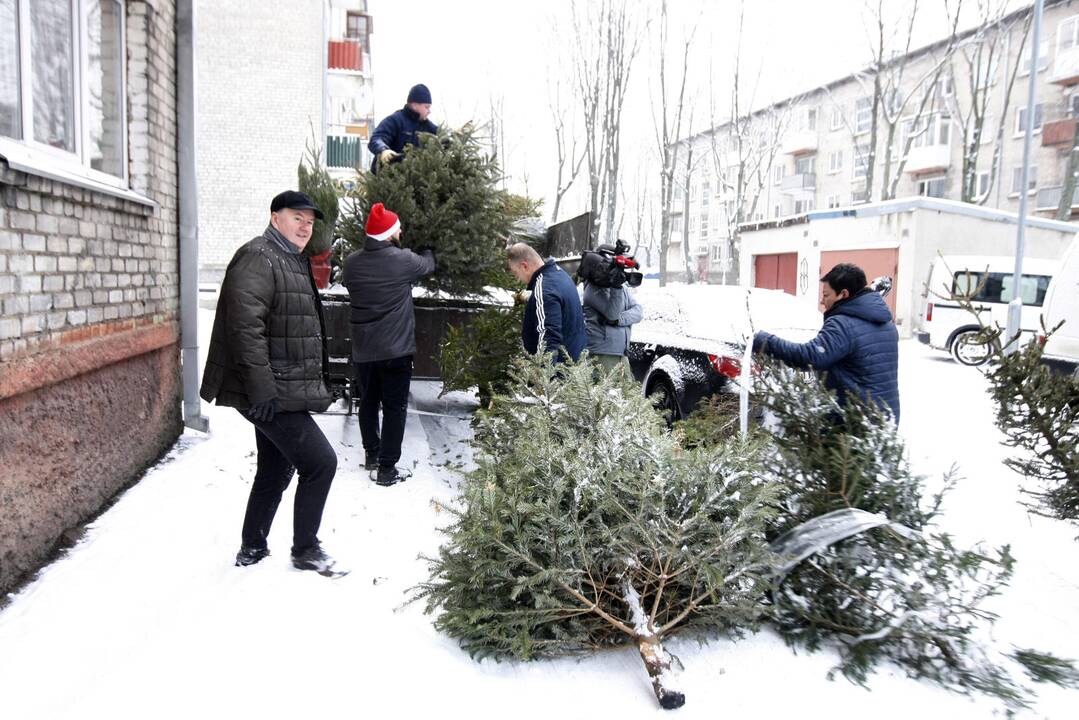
(250, 556)
(390, 475)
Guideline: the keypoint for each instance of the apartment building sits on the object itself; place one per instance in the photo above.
(274, 77)
(816, 150)
(90, 373)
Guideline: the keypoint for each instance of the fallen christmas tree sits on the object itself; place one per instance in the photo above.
(584, 526)
(865, 565)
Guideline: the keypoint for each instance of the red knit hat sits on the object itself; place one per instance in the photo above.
(382, 224)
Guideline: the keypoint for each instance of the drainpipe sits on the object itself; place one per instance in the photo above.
(189, 214)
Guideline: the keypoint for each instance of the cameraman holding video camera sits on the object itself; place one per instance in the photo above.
(609, 308)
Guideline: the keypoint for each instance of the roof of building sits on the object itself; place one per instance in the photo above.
(908, 204)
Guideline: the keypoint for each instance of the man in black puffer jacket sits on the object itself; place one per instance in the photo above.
(379, 279)
(402, 128)
(858, 346)
(267, 359)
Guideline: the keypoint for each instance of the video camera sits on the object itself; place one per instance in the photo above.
(610, 267)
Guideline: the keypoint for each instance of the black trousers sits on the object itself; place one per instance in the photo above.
(289, 443)
(384, 384)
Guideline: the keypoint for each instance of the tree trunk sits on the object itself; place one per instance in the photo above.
(1064, 209)
(657, 662)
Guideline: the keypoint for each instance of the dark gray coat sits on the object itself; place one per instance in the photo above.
(267, 341)
(379, 279)
(616, 305)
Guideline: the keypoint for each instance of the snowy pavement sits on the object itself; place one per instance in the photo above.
(147, 617)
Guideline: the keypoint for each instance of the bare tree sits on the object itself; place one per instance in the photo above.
(606, 40)
(743, 151)
(668, 129)
(979, 58)
(569, 157)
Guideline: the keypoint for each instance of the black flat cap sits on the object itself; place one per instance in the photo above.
(294, 201)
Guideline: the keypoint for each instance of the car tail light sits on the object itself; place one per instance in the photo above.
(725, 366)
(929, 312)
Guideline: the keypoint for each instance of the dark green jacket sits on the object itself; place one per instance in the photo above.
(268, 336)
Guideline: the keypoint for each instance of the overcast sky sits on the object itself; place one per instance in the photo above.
(475, 53)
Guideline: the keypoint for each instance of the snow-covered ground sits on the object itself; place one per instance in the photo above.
(147, 617)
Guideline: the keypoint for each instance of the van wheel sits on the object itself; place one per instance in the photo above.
(972, 348)
(663, 397)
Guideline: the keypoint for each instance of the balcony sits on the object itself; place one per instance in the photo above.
(1065, 67)
(1058, 128)
(799, 184)
(800, 142)
(345, 55)
(346, 152)
(928, 159)
(1049, 199)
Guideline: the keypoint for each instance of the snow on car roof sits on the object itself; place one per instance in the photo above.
(710, 318)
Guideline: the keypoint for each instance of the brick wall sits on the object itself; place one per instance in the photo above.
(89, 304)
(259, 88)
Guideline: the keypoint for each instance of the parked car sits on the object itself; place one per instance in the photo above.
(1062, 305)
(946, 326)
(690, 343)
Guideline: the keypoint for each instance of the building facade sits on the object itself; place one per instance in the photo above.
(275, 78)
(949, 125)
(90, 380)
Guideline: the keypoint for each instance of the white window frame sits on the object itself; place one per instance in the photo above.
(978, 184)
(1068, 37)
(835, 162)
(1043, 58)
(778, 172)
(704, 224)
(706, 192)
(1039, 118)
(924, 182)
(834, 201)
(868, 110)
(717, 252)
(35, 157)
(856, 162)
(937, 123)
(1017, 176)
(837, 118)
(801, 160)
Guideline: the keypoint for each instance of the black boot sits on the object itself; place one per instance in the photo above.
(390, 475)
(370, 460)
(250, 556)
(315, 558)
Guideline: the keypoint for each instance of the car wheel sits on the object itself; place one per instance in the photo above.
(665, 399)
(971, 348)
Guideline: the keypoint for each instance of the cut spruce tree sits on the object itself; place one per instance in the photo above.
(585, 526)
(314, 179)
(481, 352)
(881, 581)
(1037, 410)
(446, 193)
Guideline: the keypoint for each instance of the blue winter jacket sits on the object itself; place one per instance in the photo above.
(553, 318)
(397, 130)
(857, 349)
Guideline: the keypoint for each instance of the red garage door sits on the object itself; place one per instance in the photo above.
(874, 262)
(776, 272)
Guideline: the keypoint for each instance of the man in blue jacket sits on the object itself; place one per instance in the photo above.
(858, 346)
(402, 128)
(553, 321)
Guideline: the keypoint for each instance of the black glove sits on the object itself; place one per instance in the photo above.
(263, 411)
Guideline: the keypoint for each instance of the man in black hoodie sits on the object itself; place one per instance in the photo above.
(379, 279)
(857, 347)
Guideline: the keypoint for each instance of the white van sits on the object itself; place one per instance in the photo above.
(1062, 305)
(946, 326)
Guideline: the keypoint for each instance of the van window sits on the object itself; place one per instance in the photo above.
(997, 287)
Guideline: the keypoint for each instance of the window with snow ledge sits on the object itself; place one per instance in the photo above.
(63, 98)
